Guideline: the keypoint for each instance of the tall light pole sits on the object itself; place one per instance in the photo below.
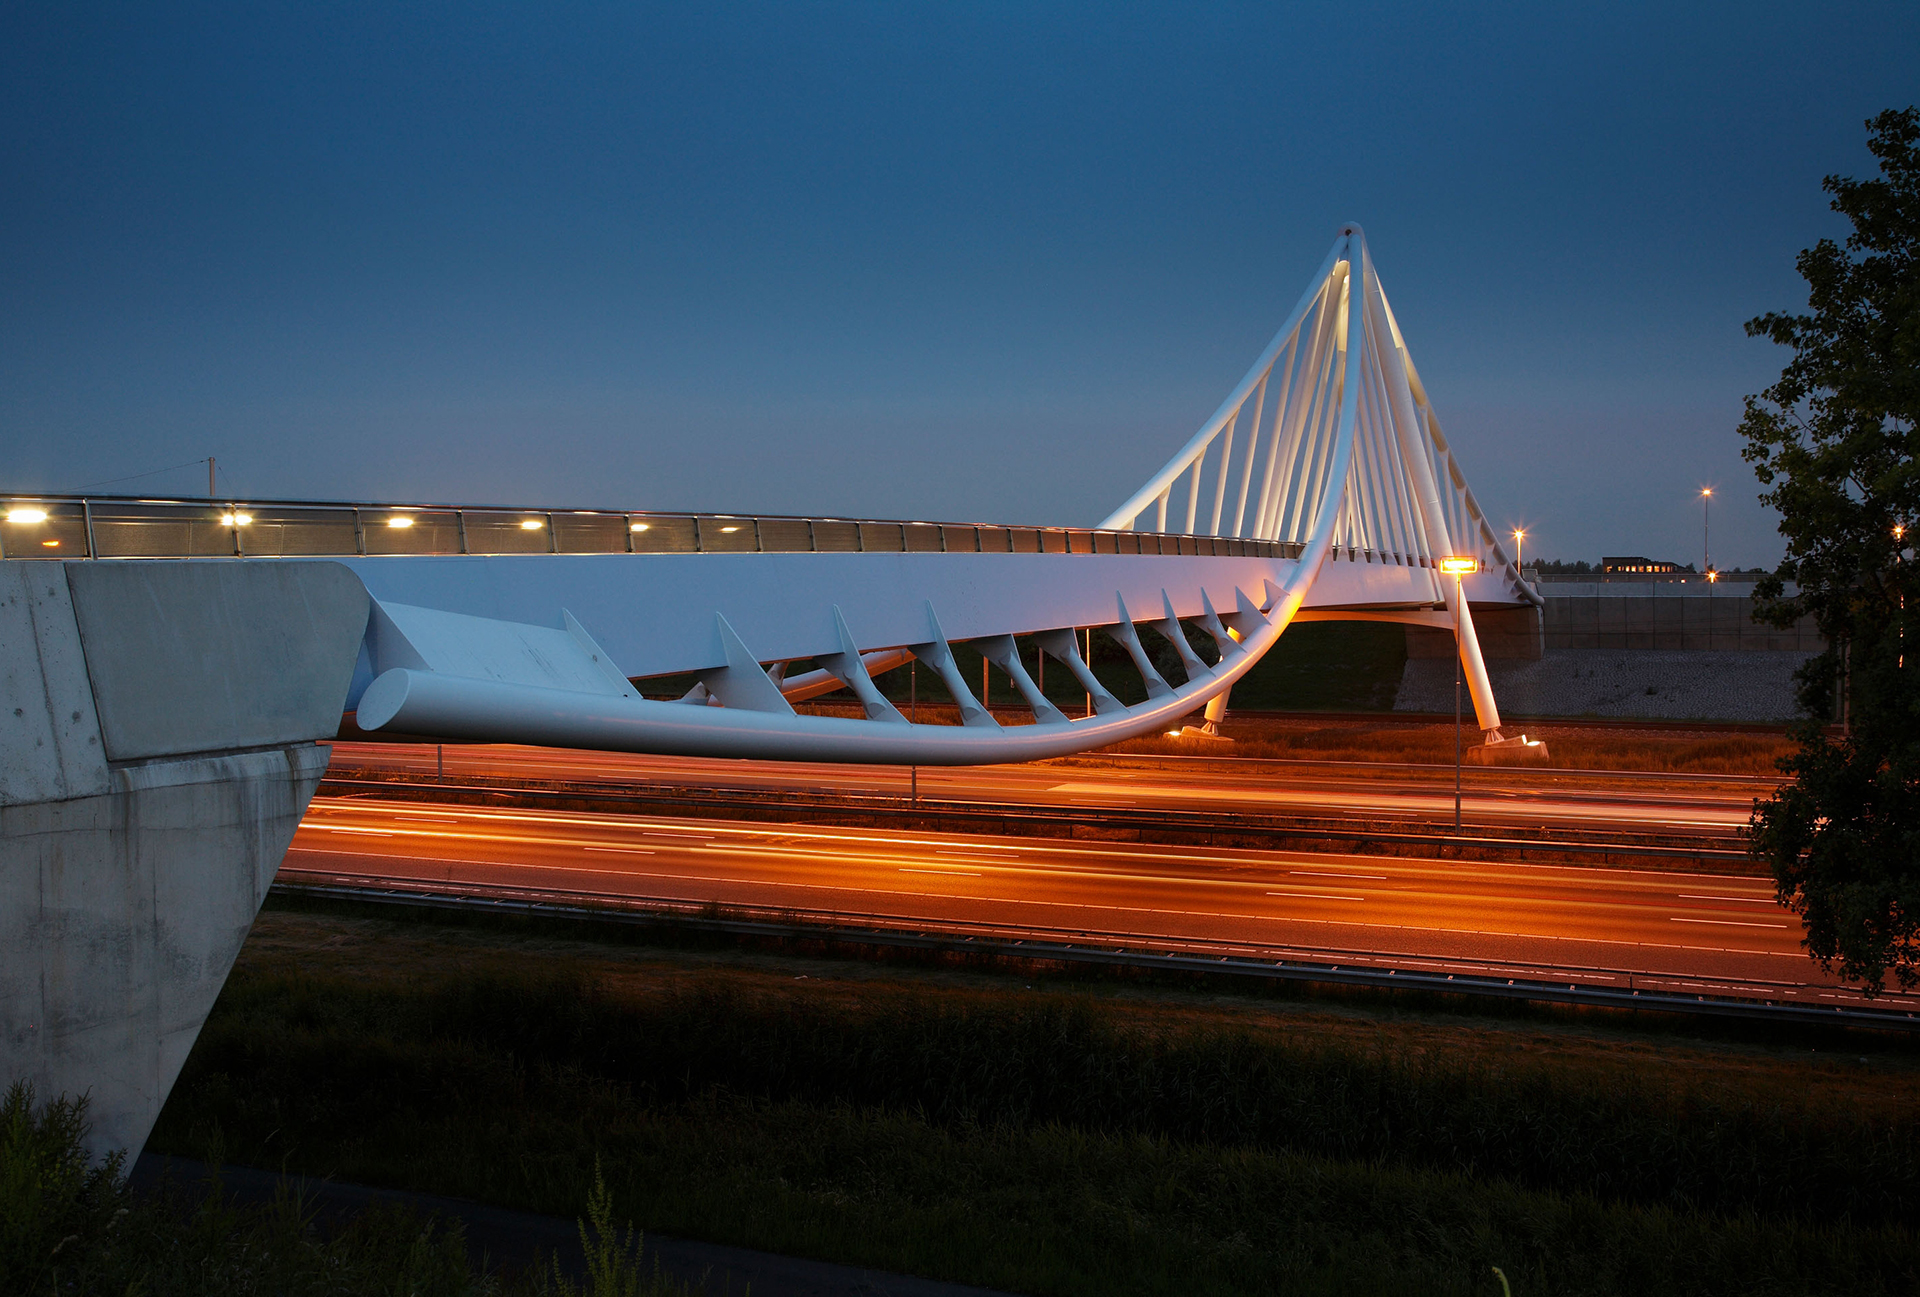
(1519, 546)
(1706, 533)
(1457, 566)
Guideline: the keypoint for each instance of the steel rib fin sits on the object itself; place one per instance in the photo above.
(741, 682)
(1210, 623)
(937, 654)
(846, 667)
(1157, 686)
(1063, 646)
(1005, 654)
(1176, 635)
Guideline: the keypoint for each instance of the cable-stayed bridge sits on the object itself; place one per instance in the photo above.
(1323, 487)
(158, 719)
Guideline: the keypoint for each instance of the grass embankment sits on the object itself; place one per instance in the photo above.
(70, 1226)
(1089, 1139)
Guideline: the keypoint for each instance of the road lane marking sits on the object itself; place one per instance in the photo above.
(1726, 923)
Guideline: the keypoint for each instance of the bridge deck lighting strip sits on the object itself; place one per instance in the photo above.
(96, 526)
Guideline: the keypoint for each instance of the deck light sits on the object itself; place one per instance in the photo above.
(639, 526)
(529, 524)
(26, 515)
(729, 529)
(51, 544)
(400, 520)
(235, 519)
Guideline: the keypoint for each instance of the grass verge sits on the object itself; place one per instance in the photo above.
(1048, 1141)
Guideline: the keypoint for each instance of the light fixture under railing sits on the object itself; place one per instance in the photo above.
(235, 519)
(1458, 565)
(639, 526)
(26, 515)
(400, 520)
(530, 524)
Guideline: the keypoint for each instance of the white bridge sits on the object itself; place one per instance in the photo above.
(1323, 487)
(158, 719)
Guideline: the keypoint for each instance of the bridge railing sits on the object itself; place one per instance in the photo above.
(68, 527)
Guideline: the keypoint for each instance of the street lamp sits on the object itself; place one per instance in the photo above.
(1519, 546)
(1706, 534)
(1457, 566)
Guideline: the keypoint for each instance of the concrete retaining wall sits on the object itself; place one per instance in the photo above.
(157, 727)
(1649, 684)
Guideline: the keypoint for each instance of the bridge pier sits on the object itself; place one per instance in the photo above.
(157, 727)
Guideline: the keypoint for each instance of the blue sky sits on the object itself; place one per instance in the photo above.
(969, 262)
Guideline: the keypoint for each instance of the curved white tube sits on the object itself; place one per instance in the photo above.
(458, 707)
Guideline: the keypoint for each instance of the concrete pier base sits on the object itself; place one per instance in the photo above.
(120, 915)
(157, 727)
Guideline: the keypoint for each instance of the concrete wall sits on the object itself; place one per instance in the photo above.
(1650, 650)
(1646, 684)
(157, 727)
(1666, 615)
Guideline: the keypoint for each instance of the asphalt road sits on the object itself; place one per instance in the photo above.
(1653, 930)
(1667, 804)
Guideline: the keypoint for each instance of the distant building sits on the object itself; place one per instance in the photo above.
(1636, 564)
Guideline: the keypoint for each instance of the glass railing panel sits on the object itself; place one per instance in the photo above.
(995, 540)
(725, 534)
(961, 540)
(1026, 540)
(160, 529)
(506, 532)
(1053, 541)
(44, 529)
(279, 532)
(835, 536)
(409, 531)
(881, 538)
(785, 535)
(660, 533)
(922, 537)
(589, 532)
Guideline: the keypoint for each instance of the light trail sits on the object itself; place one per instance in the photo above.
(1617, 922)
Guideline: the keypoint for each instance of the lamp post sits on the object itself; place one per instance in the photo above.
(1706, 533)
(1519, 546)
(1457, 566)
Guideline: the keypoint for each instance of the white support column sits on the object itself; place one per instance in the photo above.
(1427, 497)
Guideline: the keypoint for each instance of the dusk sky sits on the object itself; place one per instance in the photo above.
(955, 262)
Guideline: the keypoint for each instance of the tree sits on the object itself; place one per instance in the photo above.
(1834, 441)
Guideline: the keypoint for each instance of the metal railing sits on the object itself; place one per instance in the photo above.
(110, 526)
(67, 527)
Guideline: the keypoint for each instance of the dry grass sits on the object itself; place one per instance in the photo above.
(1651, 751)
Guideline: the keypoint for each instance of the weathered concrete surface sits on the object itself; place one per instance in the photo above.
(49, 735)
(120, 915)
(199, 657)
(156, 754)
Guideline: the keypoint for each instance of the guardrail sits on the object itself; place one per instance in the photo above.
(66, 527)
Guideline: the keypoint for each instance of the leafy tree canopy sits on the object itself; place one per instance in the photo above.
(1834, 442)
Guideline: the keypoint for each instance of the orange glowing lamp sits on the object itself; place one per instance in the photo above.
(1459, 565)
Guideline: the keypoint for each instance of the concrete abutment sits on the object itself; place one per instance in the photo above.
(158, 727)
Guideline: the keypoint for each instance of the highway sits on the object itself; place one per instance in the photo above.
(1610, 927)
(1512, 799)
